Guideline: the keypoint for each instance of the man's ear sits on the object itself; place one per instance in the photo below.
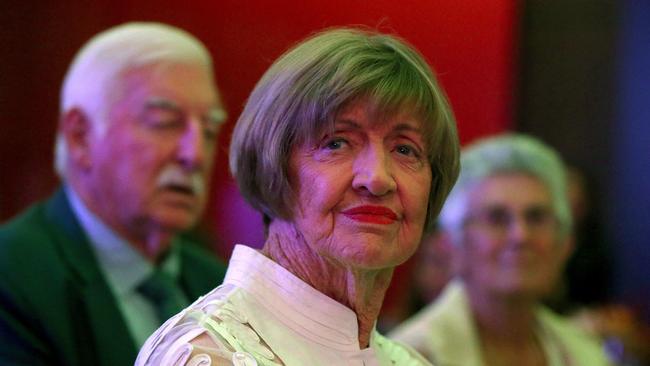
(77, 133)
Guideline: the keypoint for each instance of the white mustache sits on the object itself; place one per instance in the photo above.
(174, 175)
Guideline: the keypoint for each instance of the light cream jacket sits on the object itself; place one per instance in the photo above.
(444, 332)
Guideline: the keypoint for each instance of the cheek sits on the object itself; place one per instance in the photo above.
(479, 250)
(553, 257)
(415, 198)
(133, 166)
(211, 155)
(145, 160)
(421, 205)
(319, 191)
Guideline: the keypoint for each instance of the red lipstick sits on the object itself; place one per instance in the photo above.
(372, 214)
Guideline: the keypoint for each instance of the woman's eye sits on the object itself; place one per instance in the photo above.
(335, 144)
(407, 150)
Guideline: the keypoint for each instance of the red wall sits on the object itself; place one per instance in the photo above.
(470, 44)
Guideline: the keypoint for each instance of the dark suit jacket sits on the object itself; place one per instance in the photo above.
(56, 308)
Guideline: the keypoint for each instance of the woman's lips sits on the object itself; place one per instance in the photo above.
(371, 214)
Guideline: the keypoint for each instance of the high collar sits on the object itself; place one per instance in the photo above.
(296, 303)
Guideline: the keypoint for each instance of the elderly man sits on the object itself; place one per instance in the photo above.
(88, 275)
(509, 219)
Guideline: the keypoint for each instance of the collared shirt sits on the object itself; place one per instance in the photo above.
(265, 313)
(124, 269)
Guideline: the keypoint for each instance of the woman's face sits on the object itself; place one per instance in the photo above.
(362, 190)
(511, 243)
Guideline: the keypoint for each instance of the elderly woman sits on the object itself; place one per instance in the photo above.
(348, 147)
(509, 219)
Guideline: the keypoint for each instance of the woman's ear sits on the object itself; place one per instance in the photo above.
(77, 130)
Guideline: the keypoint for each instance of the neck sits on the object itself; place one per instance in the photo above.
(506, 328)
(150, 242)
(359, 289)
(492, 311)
(154, 245)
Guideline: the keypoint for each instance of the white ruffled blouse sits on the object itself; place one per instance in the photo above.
(264, 315)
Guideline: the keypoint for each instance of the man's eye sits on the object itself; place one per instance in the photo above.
(163, 120)
(211, 129)
(211, 133)
(166, 123)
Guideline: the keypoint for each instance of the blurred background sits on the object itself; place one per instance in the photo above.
(571, 72)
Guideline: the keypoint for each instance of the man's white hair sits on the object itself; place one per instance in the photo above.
(92, 79)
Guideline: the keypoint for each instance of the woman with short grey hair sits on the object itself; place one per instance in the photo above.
(515, 153)
(509, 220)
(348, 147)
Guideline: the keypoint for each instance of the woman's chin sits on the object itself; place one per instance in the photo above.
(372, 257)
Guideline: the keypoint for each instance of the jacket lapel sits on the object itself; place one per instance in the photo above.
(98, 321)
(199, 272)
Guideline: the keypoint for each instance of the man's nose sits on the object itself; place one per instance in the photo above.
(373, 172)
(191, 148)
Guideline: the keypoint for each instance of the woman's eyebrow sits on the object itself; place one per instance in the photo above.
(408, 127)
(347, 123)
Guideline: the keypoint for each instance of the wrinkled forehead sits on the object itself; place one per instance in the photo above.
(173, 81)
(164, 70)
(378, 112)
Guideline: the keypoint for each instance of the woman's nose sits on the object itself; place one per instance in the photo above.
(519, 229)
(373, 172)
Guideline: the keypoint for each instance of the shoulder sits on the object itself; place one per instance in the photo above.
(580, 345)
(26, 241)
(397, 353)
(201, 270)
(437, 321)
(35, 250)
(34, 230)
(212, 330)
(195, 250)
(30, 270)
(29, 224)
(444, 331)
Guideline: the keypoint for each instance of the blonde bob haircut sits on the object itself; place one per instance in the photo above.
(298, 98)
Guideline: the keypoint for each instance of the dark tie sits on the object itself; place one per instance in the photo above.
(163, 293)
